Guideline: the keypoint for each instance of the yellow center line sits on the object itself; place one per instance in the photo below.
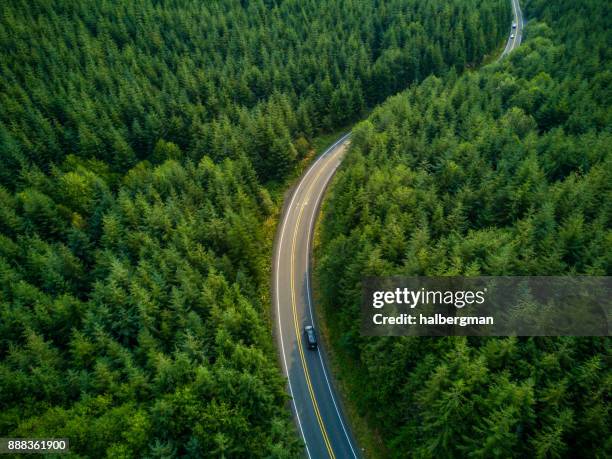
(297, 328)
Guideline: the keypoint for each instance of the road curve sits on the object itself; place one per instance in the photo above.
(314, 401)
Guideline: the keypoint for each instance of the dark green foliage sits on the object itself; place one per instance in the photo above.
(108, 80)
(141, 329)
(503, 171)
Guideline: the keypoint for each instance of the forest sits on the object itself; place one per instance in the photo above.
(505, 170)
(108, 79)
(141, 143)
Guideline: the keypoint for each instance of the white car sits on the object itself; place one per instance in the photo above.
(512, 37)
(514, 25)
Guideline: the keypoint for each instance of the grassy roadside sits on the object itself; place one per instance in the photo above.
(344, 372)
(493, 56)
(277, 191)
(319, 144)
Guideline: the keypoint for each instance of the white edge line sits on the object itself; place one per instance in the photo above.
(310, 305)
(280, 244)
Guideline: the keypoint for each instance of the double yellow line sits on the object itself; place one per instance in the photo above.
(296, 324)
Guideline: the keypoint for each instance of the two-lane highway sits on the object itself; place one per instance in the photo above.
(516, 34)
(314, 401)
(315, 404)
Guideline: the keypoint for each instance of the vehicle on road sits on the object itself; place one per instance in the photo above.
(311, 337)
(514, 25)
(512, 37)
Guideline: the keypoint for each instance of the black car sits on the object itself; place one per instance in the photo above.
(311, 338)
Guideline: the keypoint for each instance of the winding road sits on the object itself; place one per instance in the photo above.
(314, 401)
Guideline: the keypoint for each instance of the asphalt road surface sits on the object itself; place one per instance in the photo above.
(314, 401)
(315, 404)
(516, 33)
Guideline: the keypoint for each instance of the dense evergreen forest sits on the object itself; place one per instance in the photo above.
(139, 141)
(502, 171)
(226, 78)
